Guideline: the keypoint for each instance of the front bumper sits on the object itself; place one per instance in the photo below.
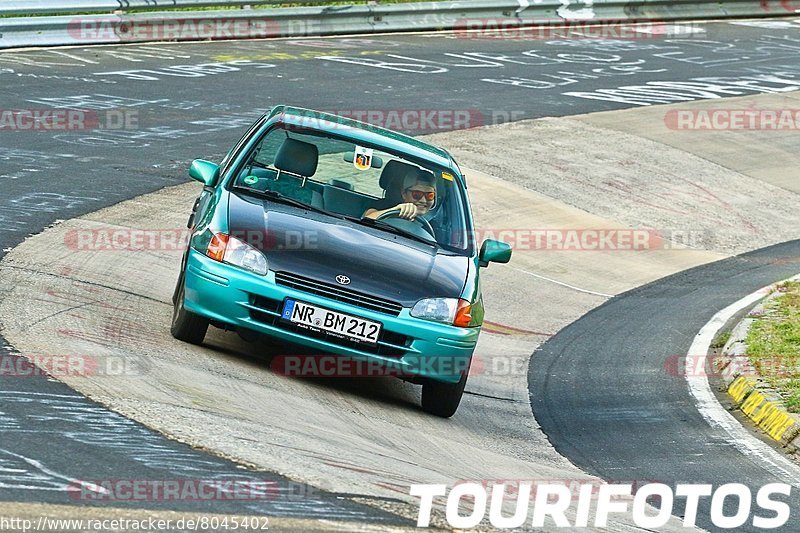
(408, 346)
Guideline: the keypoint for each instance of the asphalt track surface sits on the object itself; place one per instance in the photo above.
(186, 109)
(603, 392)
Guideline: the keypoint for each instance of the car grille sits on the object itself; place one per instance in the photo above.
(268, 311)
(340, 295)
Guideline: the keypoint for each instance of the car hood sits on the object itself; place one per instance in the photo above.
(315, 246)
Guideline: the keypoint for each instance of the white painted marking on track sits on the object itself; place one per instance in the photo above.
(769, 24)
(567, 285)
(72, 56)
(39, 466)
(27, 393)
(718, 416)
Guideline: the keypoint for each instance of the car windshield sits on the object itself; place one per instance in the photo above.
(346, 179)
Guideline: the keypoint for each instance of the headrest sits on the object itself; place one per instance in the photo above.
(341, 184)
(297, 157)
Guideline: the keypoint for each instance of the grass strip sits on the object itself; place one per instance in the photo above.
(773, 344)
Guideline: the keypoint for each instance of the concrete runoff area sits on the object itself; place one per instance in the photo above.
(368, 436)
(767, 152)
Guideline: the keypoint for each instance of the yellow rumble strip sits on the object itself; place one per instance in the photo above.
(768, 415)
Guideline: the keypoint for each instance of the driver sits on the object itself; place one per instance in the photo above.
(418, 195)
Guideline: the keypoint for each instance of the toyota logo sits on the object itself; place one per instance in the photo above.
(342, 280)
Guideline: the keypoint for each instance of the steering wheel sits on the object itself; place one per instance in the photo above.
(394, 214)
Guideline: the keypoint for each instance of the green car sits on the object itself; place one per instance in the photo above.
(352, 240)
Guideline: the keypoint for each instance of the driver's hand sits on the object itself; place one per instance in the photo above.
(407, 211)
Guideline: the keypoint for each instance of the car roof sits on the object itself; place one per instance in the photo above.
(361, 131)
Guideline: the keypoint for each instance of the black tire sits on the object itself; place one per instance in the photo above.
(187, 326)
(442, 399)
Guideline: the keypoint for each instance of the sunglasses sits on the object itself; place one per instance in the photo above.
(419, 195)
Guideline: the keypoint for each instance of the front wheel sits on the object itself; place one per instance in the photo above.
(442, 399)
(187, 326)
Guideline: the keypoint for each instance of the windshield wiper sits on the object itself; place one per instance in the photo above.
(388, 227)
(278, 197)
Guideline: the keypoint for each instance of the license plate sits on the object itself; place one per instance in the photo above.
(333, 323)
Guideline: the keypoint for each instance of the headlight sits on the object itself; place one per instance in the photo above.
(448, 310)
(231, 250)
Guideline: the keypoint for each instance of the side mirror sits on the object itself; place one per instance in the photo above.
(205, 172)
(494, 252)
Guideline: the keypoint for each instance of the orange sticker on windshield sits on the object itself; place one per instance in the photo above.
(363, 158)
